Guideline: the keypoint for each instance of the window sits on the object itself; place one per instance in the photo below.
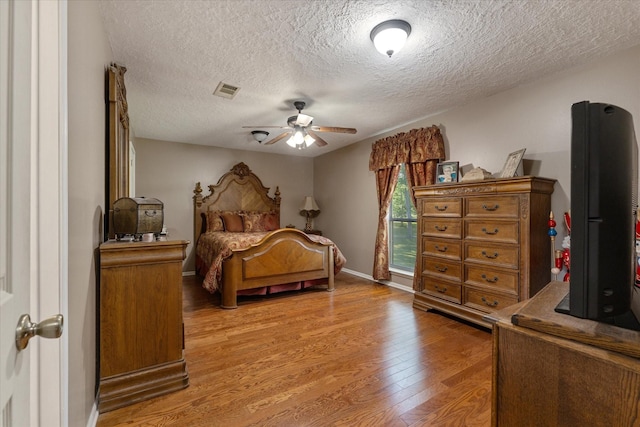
(403, 227)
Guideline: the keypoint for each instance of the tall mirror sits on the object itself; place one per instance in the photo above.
(117, 157)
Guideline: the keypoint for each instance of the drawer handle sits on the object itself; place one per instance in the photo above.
(150, 213)
(437, 227)
(441, 209)
(490, 304)
(443, 249)
(485, 231)
(441, 269)
(486, 255)
(490, 209)
(441, 290)
(494, 280)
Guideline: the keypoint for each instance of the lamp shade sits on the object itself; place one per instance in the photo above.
(309, 205)
(297, 139)
(390, 36)
(308, 139)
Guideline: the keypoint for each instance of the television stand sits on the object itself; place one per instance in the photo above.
(553, 369)
(626, 320)
(563, 305)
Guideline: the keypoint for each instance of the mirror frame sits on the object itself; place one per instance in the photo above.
(117, 158)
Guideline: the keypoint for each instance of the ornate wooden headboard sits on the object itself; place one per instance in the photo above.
(237, 190)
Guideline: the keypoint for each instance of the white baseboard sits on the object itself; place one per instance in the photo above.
(382, 282)
(93, 416)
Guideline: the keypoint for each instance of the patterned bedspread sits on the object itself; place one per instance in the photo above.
(214, 247)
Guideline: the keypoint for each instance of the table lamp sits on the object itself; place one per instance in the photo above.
(309, 209)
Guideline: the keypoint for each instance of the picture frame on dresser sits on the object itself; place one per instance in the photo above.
(447, 172)
(513, 164)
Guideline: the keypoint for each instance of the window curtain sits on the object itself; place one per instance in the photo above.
(420, 150)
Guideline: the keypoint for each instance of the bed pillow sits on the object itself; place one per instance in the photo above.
(252, 221)
(214, 221)
(270, 221)
(260, 221)
(232, 222)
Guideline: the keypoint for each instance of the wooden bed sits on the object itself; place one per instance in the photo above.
(282, 257)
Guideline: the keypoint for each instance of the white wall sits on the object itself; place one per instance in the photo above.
(88, 54)
(536, 117)
(168, 171)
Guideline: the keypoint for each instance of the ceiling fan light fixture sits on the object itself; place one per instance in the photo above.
(297, 138)
(308, 139)
(300, 133)
(259, 135)
(390, 36)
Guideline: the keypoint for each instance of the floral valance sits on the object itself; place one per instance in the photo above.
(415, 146)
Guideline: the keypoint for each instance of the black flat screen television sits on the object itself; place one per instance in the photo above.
(604, 203)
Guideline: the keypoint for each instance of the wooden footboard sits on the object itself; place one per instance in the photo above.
(284, 256)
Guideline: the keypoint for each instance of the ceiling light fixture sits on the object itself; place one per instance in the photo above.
(259, 135)
(300, 138)
(308, 139)
(389, 36)
(297, 138)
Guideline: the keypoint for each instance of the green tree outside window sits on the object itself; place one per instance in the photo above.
(403, 227)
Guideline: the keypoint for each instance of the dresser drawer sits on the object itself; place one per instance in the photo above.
(493, 206)
(498, 255)
(443, 206)
(500, 280)
(441, 289)
(487, 301)
(444, 248)
(495, 231)
(442, 227)
(442, 267)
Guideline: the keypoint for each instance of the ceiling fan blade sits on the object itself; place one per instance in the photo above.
(321, 142)
(278, 138)
(332, 129)
(266, 127)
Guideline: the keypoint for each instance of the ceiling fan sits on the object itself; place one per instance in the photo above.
(301, 130)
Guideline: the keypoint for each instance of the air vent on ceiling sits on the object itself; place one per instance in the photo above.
(226, 90)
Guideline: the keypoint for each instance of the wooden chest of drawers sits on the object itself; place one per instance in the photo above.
(483, 245)
(140, 331)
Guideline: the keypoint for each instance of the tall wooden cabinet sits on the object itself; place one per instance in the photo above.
(140, 334)
(483, 245)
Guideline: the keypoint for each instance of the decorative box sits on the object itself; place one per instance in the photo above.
(136, 216)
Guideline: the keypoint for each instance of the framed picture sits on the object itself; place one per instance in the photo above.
(447, 172)
(512, 166)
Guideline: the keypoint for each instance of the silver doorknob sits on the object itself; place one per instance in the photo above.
(48, 328)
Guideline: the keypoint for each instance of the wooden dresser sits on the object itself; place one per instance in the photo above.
(140, 336)
(483, 245)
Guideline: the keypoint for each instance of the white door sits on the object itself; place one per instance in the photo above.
(31, 261)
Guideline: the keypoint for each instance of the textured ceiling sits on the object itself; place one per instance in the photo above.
(276, 51)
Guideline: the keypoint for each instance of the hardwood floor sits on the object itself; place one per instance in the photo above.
(360, 356)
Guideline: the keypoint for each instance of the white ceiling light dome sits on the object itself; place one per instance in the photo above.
(390, 36)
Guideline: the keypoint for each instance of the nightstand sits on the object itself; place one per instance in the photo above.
(318, 232)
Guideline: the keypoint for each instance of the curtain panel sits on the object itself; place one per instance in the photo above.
(421, 150)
